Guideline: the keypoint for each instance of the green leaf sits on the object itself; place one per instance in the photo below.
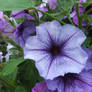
(16, 4)
(89, 1)
(65, 4)
(11, 66)
(28, 75)
(12, 77)
(20, 89)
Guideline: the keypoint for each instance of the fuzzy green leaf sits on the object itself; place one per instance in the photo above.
(11, 66)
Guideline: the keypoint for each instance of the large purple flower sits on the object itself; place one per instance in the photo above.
(56, 49)
(41, 87)
(23, 31)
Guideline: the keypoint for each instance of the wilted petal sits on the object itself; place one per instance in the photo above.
(41, 87)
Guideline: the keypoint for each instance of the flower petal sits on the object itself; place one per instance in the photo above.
(78, 56)
(71, 36)
(34, 49)
(49, 31)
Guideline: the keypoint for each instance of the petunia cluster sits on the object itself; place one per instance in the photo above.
(57, 50)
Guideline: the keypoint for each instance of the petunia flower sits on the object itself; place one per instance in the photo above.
(41, 87)
(56, 49)
(73, 82)
(23, 31)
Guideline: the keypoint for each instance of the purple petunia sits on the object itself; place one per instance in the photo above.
(73, 82)
(23, 31)
(56, 49)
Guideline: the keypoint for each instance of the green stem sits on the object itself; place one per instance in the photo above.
(45, 13)
(78, 15)
(68, 15)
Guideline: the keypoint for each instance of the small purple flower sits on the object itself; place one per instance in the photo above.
(52, 4)
(3, 22)
(23, 31)
(73, 82)
(41, 87)
(56, 49)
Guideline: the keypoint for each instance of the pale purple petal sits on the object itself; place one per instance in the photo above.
(52, 4)
(49, 31)
(71, 36)
(35, 49)
(56, 83)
